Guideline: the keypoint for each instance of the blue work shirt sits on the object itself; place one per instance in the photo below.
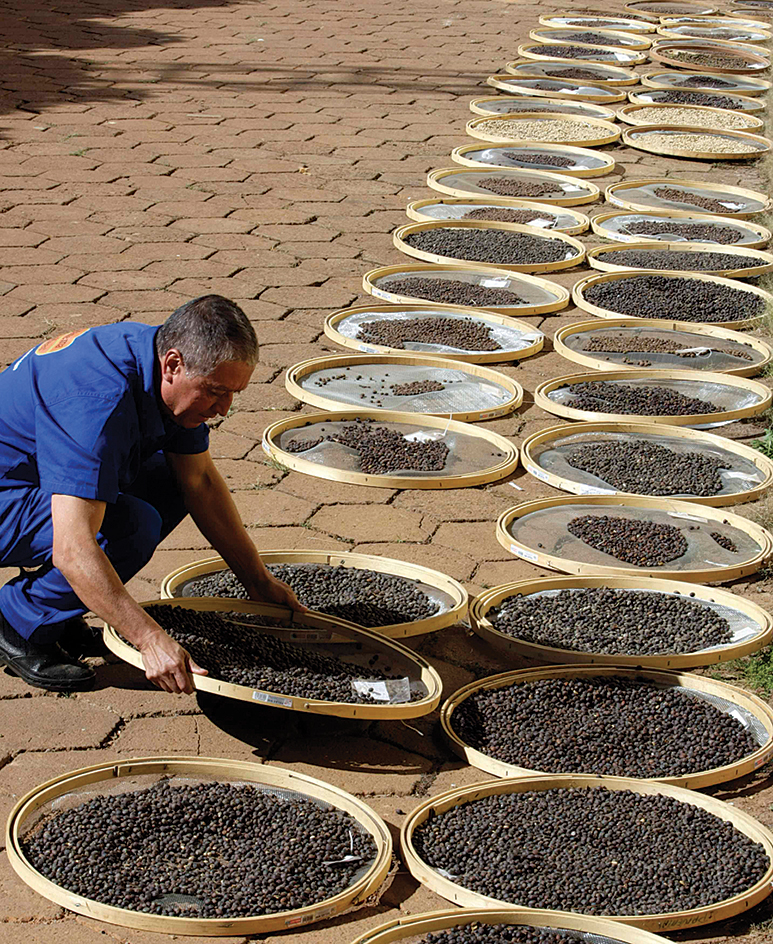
(82, 412)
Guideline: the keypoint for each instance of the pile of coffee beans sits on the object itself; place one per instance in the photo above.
(693, 232)
(588, 37)
(513, 187)
(705, 81)
(592, 850)
(612, 621)
(721, 120)
(703, 261)
(575, 72)
(207, 850)
(464, 334)
(682, 97)
(366, 597)
(713, 60)
(542, 158)
(490, 245)
(647, 468)
(643, 543)
(594, 54)
(725, 542)
(507, 215)
(382, 449)
(607, 397)
(551, 129)
(626, 344)
(709, 204)
(416, 387)
(675, 299)
(500, 934)
(563, 726)
(692, 141)
(454, 292)
(261, 661)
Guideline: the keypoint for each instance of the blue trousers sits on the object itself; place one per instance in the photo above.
(37, 603)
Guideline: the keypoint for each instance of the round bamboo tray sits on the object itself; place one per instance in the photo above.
(578, 294)
(695, 336)
(597, 258)
(457, 182)
(638, 138)
(545, 296)
(453, 593)
(614, 38)
(727, 35)
(532, 339)
(730, 46)
(586, 21)
(574, 249)
(652, 10)
(741, 203)
(652, 432)
(753, 236)
(603, 55)
(514, 104)
(433, 880)
(716, 573)
(676, 378)
(324, 628)
(565, 220)
(508, 391)
(668, 78)
(498, 467)
(719, 20)
(760, 636)
(606, 132)
(570, 90)
(754, 706)
(743, 103)
(611, 76)
(409, 929)
(629, 114)
(748, 62)
(143, 771)
(587, 163)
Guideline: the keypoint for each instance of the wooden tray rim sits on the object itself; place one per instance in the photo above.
(459, 154)
(414, 208)
(597, 224)
(592, 192)
(612, 131)
(504, 82)
(595, 262)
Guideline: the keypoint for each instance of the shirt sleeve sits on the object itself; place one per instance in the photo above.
(83, 443)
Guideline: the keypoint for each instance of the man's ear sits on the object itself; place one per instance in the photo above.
(171, 364)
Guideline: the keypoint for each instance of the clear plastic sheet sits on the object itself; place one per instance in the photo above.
(469, 182)
(742, 627)
(467, 453)
(645, 197)
(745, 85)
(532, 293)
(618, 227)
(711, 354)
(522, 86)
(506, 106)
(456, 211)
(506, 156)
(509, 338)
(738, 475)
(463, 393)
(545, 531)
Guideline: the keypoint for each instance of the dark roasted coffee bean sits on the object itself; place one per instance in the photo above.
(714, 60)
(703, 261)
(513, 187)
(591, 53)
(209, 850)
(543, 158)
(643, 543)
(706, 99)
(563, 726)
(693, 232)
(612, 621)
(464, 334)
(724, 542)
(613, 397)
(629, 344)
(704, 81)
(501, 934)
(453, 291)
(695, 199)
(574, 72)
(490, 245)
(675, 299)
(506, 215)
(592, 850)
(416, 388)
(588, 37)
(645, 468)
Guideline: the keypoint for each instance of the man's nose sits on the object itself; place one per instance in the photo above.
(224, 403)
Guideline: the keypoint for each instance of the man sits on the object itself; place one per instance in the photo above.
(103, 451)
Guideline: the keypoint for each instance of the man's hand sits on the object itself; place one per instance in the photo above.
(168, 665)
(270, 590)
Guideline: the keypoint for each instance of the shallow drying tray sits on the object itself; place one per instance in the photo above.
(736, 121)
(476, 455)
(738, 397)
(640, 194)
(652, 10)
(749, 62)
(565, 36)
(651, 138)
(544, 215)
(582, 162)
(613, 225)
(536, 531)
(502, 105)
(547, 69)
(517, 339)
(599, 256)
(719, 34)
(116, 777)
(470, 392)
(591, 21)
(704, 347)
(603, 55)
(557, 88)
(537, 296)
(573, 249)
(603, 132)
(566, 191)
(731, 82)
(733, 102)
(747, 475)
(456, 893)
(315, 631)
(755, 715)
(447, 592)
(751, 626)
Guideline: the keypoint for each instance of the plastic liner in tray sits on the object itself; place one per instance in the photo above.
(522, 85)
(644, 196)
(619, 228)
(560, 219)
(509, 338)
(737, 475)
(743, 85)
(509, 106)
(469, 181)
(508, 156)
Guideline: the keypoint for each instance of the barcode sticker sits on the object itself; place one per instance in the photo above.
(272, 699)
(537, 473)
(522, 552)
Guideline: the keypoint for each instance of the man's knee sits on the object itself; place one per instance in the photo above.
(130, 533)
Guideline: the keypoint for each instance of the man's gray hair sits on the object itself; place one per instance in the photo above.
(208, 331)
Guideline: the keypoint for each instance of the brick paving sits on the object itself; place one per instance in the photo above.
(149, 154)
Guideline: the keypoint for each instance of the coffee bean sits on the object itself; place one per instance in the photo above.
(464, 334)
(502, 934)
(696, 199)
(706, 99)
(513, 187)
(592, 53)
(724, 542)
(416, 388)
(598, 342)
(703, 261)
(704, 81)
(613, 397)
(454, 291)
(643, 543)
(491, 246)
(506, 215)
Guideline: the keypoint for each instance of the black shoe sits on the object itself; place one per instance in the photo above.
(78, 639)
(48, 667)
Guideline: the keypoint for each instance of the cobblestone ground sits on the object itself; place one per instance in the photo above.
(266, 151)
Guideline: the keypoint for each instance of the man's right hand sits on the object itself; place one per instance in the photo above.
(168, 665)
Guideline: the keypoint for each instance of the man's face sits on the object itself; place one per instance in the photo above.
(194, 400)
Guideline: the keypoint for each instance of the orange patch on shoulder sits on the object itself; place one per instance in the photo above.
(60, 343)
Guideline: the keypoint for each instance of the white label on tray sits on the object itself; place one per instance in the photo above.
(593, 490)
(367, 349)
(264, 446)
(522, 552)
(681, 514)
(537, 473)
(272, 699)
